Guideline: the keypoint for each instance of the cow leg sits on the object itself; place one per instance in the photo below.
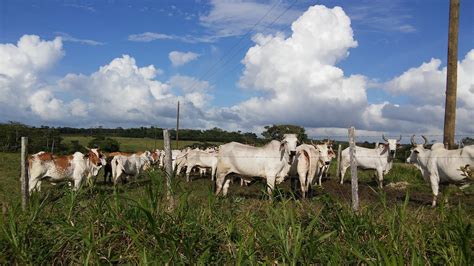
(226, 186)
(188, 172)
(213, 173)
(270, 185)
(34, 184)
(434, 180)
(380, 177)
(320, 177)
(304, 184)
(220, 182)
(77, 183)
(343, 172)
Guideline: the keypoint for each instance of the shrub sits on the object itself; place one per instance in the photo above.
(105, 144)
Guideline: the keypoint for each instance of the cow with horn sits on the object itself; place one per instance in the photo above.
(379, 159)
(439, 165)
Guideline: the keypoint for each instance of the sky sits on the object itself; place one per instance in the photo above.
(239, 65)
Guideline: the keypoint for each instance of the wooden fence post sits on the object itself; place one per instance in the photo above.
(24, 173)
(338, 165)
(354, 180)
(168, 167)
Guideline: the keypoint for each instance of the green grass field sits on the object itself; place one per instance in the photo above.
(133, 224)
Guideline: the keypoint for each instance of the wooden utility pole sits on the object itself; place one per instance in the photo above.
(168, 167)
(451, 79)
(177, 129)
(25, 193)
(338, 165)
(354, 180)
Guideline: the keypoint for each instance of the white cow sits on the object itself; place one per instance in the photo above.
(124, 166)
(439, 165)
(308, 162)
(305, 164)
(75, 168)
(271, 162)
(326, 155)
(202, 159)
(379, 159)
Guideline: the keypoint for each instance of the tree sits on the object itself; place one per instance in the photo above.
(468, 141)
(105, 144)
(277, 132)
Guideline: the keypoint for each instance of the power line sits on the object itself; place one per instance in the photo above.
(201, 77)
(242, 48)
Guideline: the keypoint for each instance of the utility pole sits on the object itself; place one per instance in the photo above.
(177, 129)
(451, 77)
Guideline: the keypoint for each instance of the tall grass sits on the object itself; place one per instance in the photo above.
(133, 224)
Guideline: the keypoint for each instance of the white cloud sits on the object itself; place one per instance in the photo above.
(149, 36)
(180, 58)
(68, 38)
(232, 18)
(22, 67)
(425, 86)
(298, 77)
(117, 94)
(153, 36)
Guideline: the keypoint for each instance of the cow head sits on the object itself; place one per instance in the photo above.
(96, 159)
(391, 144)
(417, 150)
(155, 156)
(289, 143)
(325, 151)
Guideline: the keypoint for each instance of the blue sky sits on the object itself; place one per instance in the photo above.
(391, 36)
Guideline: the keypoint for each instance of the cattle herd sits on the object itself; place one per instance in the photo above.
(274, 162)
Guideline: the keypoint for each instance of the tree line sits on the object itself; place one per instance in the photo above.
(46, 138)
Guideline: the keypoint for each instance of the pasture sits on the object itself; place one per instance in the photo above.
(131, 223)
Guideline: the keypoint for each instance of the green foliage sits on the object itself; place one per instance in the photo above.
(39, 139)
(105, 144)
(277, 132)
(133, 224)
(468, 141)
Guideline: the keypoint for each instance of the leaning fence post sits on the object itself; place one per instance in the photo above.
(354, 181)
(24, 173)
(338, 165)
(168, 166)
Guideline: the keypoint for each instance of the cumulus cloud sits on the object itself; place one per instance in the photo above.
(119, 93)
(297, 76)
(425, 87)
(22, 67)
(123, 93)
(180, 58)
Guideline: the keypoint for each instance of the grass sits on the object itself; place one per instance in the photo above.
(132, 224)
(133, 144)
